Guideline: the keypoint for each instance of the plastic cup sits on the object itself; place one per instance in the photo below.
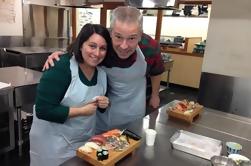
(233, 147)
(150, 137)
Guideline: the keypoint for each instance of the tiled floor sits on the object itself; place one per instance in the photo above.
(166, 95)
(175, 92)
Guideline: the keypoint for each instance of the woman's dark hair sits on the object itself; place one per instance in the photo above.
(86, 32)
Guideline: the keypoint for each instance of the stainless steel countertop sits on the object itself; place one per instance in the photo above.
(19, 76)
(230, 124)
(212, 123)
(33, 50)
(24, 82)
(28, 57)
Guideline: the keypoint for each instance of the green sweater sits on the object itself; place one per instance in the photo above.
(52, 88)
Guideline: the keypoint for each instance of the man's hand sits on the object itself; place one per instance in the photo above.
(154, 101)
(49, 62)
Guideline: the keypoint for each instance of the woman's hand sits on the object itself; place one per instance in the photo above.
(49, 62)
(89, 109)
(85, 110)
(102, 101)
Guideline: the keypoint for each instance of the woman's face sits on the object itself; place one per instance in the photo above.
(94, 50)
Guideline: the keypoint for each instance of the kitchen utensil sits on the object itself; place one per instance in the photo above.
(239, 159)
(178, 39)
(131, 134)
(222, 161)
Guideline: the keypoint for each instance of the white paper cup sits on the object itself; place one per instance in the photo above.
(150, 137)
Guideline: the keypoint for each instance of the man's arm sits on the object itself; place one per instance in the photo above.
(49, 62)
(154, 99)
(151, 51)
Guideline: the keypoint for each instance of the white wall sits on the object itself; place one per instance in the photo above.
(229, 38)
(11, 18)
(186, 27)
(178, 26)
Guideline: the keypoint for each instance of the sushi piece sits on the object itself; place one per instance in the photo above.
(102, 154)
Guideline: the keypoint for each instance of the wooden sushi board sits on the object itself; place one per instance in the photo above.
(114, 156)
(189, 117)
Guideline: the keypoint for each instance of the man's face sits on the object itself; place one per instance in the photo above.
(125, 38)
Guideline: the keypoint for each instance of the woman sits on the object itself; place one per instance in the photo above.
(67, 99)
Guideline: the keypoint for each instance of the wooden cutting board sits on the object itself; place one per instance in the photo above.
(114, 156)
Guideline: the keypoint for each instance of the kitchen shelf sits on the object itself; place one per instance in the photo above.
(186, 16)
(194, 1)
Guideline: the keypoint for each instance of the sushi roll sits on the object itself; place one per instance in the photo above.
(102, 154)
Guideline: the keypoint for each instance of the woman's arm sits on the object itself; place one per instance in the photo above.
(51, 90)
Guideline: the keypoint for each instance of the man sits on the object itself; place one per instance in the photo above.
(136, 56)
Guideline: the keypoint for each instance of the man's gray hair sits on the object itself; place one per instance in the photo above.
(127, 14)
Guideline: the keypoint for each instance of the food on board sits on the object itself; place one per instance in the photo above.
(184, 106)
(113, 140)
(185, 110)
(102, 154)
(99, 139)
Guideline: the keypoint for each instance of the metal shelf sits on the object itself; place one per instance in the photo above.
(194, 1)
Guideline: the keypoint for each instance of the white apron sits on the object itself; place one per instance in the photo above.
(53, 143)
(127, 94)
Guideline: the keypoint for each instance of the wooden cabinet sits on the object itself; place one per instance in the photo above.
(186, 70)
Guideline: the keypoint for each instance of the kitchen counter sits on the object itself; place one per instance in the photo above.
(28, 57)
(187, 49)
(24, 82)
(182, 52)
(212, 123)
(32, 50)
(220, 125)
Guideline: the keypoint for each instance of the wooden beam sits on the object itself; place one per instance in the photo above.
(107, 6)
(176, 4)
(74, 23)
(103, 15)
(158, 25)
